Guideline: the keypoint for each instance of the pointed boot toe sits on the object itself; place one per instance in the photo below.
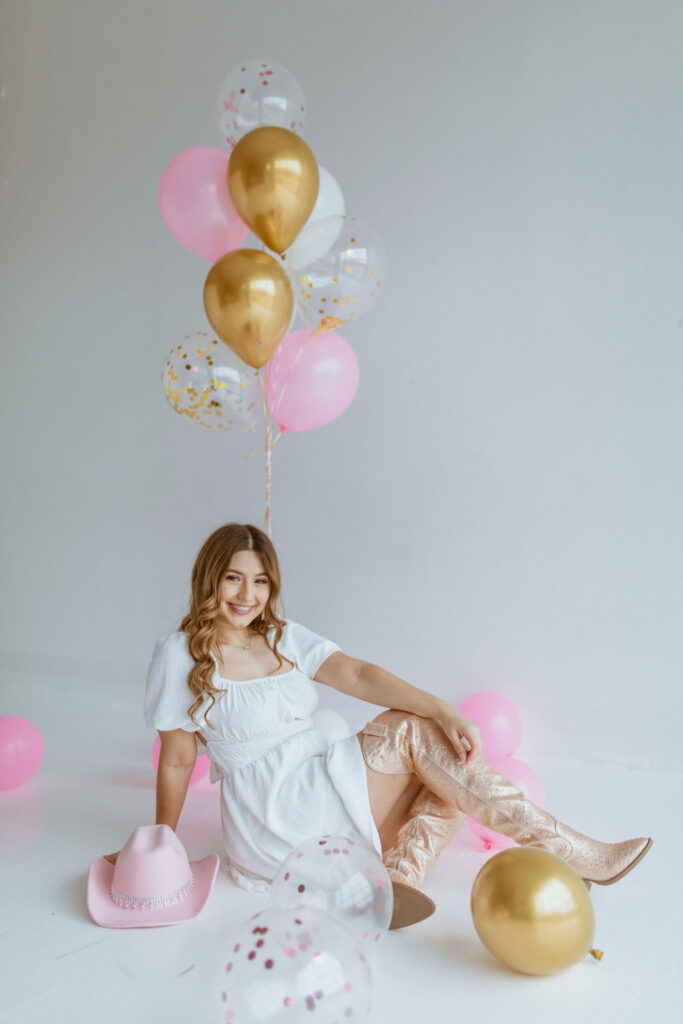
(630, 853)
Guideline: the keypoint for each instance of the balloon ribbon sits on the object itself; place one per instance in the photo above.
(270, 442)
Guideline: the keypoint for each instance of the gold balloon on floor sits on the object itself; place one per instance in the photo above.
(249, 303)
(273, 181)
(532, 911)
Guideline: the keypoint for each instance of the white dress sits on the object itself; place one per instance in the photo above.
(282, 782)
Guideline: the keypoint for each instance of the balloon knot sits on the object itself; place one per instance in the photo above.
(597, 954)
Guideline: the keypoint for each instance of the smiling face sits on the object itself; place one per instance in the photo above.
(244, 590)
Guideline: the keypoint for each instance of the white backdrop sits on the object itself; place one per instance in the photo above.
(501, 506)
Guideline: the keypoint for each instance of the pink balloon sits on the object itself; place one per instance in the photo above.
(311, 380)
(196, 205)
(526, 779)
(21, 751)
(200, 770)
(500, 726)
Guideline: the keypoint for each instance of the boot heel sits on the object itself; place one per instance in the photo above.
(410, 906)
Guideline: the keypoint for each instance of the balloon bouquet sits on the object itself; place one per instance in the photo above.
(314, 261)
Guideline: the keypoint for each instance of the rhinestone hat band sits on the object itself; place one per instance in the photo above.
(151, 902)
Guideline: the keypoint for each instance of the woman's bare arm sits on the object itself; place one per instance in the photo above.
(176, 761)
(376, 685)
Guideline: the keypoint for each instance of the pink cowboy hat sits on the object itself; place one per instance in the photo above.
(151, 884)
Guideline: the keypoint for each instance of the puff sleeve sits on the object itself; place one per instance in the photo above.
(167, 695)
(308, 650)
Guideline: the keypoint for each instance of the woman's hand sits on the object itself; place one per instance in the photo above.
(463, 734)
(111, 857)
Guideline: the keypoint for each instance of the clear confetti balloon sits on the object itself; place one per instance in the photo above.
(205, 381)
(293, 964)
(256, 93)
(336, 267)
(342, 876)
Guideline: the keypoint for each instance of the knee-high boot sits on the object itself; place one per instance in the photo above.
(430, 825)
(399, 742)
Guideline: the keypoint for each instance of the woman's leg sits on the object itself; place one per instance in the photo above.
(414, 826)
(396, 800)
(399, 813)
(390, 799)
(398, 743)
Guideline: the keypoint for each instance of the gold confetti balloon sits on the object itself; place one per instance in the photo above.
(273, 180)
(209, 384)
(532, 911)
(337, 268)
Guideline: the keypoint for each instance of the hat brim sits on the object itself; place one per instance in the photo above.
(108, 914)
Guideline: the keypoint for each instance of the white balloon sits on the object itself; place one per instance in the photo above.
(330, 201)
(309, 244)
(331, 725)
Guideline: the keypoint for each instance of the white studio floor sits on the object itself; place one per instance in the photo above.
(96, 785)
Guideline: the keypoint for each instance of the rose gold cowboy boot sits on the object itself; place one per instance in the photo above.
(428, 829)
(430, 825)
(397, 742)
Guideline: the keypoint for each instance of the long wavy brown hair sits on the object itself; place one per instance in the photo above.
(200, 623)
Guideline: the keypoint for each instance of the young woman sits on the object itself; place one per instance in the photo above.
(240, 679)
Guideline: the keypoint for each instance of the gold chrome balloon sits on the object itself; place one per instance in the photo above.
(532, 911)
(249, 302)
(273, 181)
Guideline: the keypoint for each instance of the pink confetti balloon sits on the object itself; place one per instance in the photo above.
(500, 726)
(200, 770)
(255, 93)
(526, 779)
(311, 379)
(21, 751)
(342, 876)
(286, 962)
(196, 205)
